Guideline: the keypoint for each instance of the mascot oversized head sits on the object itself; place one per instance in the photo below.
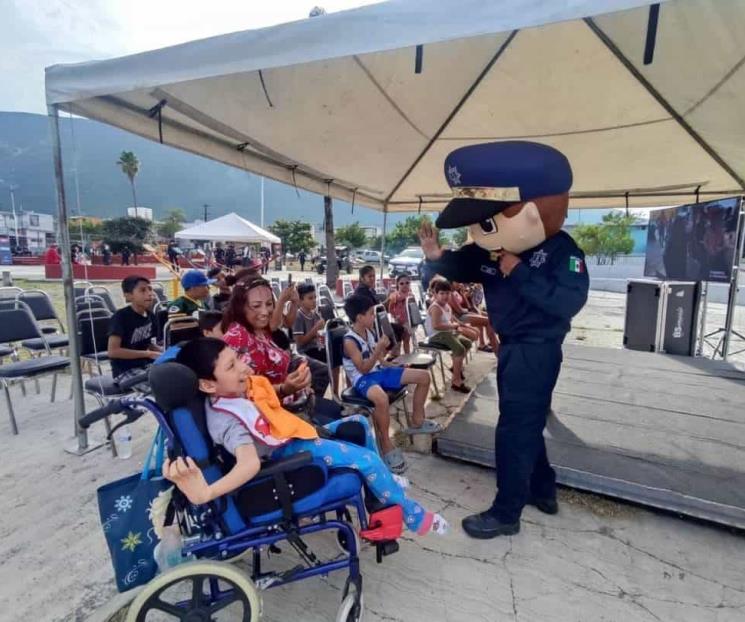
(512, 195)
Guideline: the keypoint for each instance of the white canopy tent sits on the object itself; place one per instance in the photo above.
(647, 101)
(228, 228)
(338, 104)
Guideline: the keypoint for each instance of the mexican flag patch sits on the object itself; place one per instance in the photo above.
(576, 265)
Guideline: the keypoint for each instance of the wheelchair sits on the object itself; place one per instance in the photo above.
(286, 501)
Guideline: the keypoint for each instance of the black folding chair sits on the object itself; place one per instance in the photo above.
(93, 332)
(415, 320)
(349, 398)
(326, 308)
(80, 287)
(43, 309)
(18, 325)
(180, 328)
(159, 292)
(103, 293)
(415, 360)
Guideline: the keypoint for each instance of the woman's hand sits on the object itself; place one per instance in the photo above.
(297, 380)
(189, 479)
(289, 294)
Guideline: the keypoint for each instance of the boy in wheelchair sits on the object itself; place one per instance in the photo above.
(251, 430)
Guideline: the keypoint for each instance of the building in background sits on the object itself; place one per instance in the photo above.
(140, 212)
(34, 231)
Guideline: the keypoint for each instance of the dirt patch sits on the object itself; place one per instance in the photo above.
(597, 505)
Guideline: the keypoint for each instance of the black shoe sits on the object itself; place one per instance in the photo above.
(485, 526)
(547, 506)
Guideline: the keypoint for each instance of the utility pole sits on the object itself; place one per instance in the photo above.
(205, 211)
(262, 202)
(15, 218)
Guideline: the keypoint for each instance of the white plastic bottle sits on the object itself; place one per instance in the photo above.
(123, 442)
(168, 552)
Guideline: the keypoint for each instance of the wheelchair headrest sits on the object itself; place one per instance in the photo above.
(173, 385)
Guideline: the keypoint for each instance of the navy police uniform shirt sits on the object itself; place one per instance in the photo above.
(541, 295)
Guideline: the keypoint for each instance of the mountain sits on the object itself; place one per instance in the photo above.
(168, 177)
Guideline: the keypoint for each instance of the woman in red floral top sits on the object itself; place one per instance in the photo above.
(246, 329)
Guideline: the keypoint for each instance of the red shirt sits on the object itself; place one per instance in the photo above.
(259, 352)
(51, 256)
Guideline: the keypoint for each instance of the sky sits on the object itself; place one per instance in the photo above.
(37, 33)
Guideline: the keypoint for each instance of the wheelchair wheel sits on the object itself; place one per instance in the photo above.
(180, 594)
(351, 609)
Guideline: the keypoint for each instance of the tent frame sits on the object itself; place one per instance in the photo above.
(267, 162)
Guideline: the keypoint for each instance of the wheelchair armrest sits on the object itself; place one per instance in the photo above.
(286, 464)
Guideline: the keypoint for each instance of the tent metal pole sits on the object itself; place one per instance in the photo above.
(382, 240)
(704, 302)
(732, 299)
(67, 283)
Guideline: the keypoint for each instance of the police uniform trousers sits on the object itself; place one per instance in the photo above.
(526, 375)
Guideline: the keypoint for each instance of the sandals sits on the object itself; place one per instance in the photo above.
(428, 427)
(486, 349)
(395, 462)
(463, 388)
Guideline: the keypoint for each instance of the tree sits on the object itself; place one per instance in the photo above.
(174, 221)
(90, 230)
(296, 235)
(460, 236)
(132, 233)
(352, 235)
(608, 239)
(406, 233)
(130, 166)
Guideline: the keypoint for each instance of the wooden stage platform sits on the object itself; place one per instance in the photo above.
(663, 431)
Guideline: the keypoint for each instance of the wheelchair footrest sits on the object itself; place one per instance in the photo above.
(384, 525)
(383, 549)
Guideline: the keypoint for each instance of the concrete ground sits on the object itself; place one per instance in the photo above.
(596, 560)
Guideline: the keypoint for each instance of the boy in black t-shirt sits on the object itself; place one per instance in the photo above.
(132, 329)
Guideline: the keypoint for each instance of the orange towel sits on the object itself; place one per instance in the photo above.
(282, 424)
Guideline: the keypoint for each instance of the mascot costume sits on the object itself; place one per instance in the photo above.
(513, 196)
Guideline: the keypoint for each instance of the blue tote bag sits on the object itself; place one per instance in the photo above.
(124, 507)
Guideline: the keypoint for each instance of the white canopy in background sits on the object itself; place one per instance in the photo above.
(229, 228)
(334, 103)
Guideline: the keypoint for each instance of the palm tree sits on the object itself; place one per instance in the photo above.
(130, 166)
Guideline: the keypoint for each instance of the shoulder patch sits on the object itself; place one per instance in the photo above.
(174, 309)
(576, 264)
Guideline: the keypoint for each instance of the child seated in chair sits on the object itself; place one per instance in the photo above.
(245, 417)
(132, 330)
(371, 377)
(443, 329)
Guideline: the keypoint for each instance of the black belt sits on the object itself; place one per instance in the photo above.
(504, 339)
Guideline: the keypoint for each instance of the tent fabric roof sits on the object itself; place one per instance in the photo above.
(228, 228)
(336, 104)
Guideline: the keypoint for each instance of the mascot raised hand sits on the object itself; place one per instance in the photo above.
(513, 197)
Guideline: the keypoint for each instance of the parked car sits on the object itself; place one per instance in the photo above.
(409, 261)
(343, 260)
(367, 255)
